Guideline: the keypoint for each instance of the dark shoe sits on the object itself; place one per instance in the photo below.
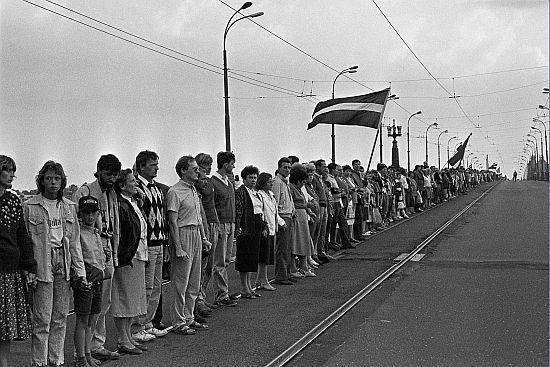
(353, 240)
(283, 282)
(126, 350)
(323, 259)
(159, 325)
(234, 296)
(141, 347)
(184, 330)
(203, 311)
(226, 302)
(248, 296)
(317, 260)
(198, 325)
(105, 354)
(329, 257)
(334, 246)
(199, 318)
(210, 305)
(294, 279)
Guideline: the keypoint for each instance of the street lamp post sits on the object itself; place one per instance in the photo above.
(545, 146)
(542, 170)
(531, 152)
(432, 125)
(529, 135)
(448, 142)
(409, 140)
(394, 132)
(439, 148)
(349, 70)
(225, 81)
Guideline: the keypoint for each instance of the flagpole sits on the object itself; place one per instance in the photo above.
(373, 147)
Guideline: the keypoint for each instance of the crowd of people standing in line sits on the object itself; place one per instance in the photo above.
(109, 244)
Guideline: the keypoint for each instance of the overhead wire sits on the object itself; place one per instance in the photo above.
(452, 95)
(316, 59)
(208, 66)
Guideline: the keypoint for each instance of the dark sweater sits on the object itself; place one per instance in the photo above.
(207, 198)
(15, 243)
(224, 200)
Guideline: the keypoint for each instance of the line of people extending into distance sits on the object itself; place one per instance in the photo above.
(110, 242)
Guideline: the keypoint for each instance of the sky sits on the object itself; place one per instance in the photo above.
(71, 93)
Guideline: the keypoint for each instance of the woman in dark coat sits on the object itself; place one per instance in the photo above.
(249, 227)
(128, 297)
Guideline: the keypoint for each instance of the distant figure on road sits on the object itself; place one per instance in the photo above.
(515, 175)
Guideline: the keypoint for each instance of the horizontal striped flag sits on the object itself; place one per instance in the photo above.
(365, 110)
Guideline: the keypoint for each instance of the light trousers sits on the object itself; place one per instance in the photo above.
(185, 274)
(49, 321)
(153, 284)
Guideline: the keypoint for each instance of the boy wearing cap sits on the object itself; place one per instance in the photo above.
(87, 301)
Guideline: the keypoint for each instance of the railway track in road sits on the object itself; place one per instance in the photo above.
(292, 351)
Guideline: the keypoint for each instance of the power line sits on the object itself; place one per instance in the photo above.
(207, 68)
(391, 81)
(316, 59)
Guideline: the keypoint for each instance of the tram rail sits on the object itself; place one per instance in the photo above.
(288, 355)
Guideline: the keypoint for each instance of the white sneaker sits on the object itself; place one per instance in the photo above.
(156, 332)
(309, 274)
(143, 336)
(297, 275)
(405, 216)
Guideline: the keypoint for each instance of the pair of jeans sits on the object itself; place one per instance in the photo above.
(153, 284)
(220, 255)
(208, 261)
(319, 235)
(50, 310)
(283, 254)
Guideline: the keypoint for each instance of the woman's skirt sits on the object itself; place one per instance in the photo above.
(15, 312)
(300, 234)
(248, 248)
(128, 297)
(267, 250)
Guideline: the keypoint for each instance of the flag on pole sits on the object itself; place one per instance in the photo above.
(365, 110)
(493, 166)
(459, 155)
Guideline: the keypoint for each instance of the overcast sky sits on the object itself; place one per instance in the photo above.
(71, 93)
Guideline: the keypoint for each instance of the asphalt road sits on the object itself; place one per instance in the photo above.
(256, 331)
(478, 298)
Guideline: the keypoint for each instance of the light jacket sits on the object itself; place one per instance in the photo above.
(93, 189)
(36, 220)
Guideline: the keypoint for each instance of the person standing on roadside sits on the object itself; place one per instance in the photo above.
(17, 265)
(211, 228)
(153, 208)
(108, 169)
(224, 201)
(320, 188)
(52, 223)
(187, 233)
(284, 264)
